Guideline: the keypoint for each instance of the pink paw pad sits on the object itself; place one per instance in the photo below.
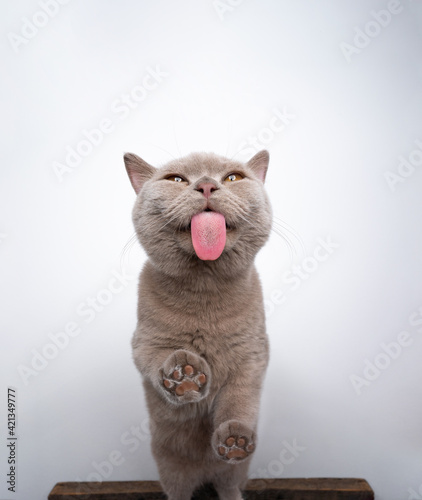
(184, 379)
(236, 448)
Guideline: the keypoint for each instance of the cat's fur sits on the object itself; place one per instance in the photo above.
(205, 314)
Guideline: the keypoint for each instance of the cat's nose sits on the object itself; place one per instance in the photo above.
(206, 188)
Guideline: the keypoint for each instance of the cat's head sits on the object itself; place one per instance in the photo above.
(201, 211)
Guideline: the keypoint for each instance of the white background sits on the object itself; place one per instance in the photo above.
(353, 112)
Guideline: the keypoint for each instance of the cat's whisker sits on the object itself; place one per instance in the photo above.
(171, 219)
(162, 149)
(283, 223)
(277, 230)
(286, 236)
(286, 239)
(233, 158)
(124, 254)
(284, 227)
(244, 218)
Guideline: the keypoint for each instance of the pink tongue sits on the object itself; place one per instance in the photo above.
(208, 234)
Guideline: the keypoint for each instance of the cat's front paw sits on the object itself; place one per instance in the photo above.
(233, 441)
(185, 377)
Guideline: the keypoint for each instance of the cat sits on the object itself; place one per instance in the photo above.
(200, 343)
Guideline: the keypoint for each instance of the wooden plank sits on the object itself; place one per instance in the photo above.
(309, 489)
(107, 490)
(257, 489)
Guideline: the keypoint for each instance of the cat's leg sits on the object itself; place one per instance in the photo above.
(180, 444)
(232, 493)
(235, 417)
(229, 479)
(185, 377)
(177, 484)
(233, 441)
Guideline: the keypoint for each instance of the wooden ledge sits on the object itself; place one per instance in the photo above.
(262, 489)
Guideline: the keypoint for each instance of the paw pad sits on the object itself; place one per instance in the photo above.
(235, 448)
(184, 379)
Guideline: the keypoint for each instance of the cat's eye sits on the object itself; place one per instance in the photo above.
(176, 178)
(233, 177)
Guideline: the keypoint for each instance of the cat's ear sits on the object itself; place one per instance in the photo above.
(139, 171)
(259, 164)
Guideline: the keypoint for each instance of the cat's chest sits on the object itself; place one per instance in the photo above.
(220, 338)
(220, 325)
(212, 344)
(226, 354)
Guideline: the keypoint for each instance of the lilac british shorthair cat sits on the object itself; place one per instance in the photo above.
(200, 341)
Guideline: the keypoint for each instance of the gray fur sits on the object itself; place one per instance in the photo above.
(205, 314)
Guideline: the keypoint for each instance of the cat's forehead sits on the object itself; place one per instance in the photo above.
(198, 164)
